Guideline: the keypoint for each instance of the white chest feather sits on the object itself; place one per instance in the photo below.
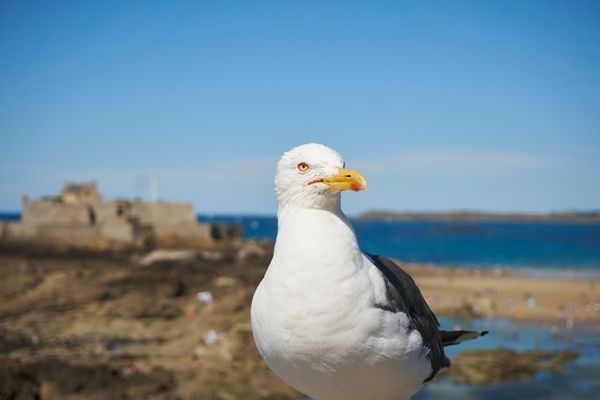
(314, 319)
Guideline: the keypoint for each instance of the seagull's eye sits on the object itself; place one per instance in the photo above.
(303, 167)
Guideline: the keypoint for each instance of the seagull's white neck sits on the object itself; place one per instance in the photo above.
(329, 204)
(311, 240)
(296, 198)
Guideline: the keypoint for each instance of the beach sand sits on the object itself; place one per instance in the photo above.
(504, 293)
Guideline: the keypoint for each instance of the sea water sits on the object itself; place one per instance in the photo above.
(523, 245)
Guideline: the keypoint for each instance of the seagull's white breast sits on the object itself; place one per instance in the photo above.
(315, 322)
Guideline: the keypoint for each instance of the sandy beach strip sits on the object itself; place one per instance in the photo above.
(504, 293)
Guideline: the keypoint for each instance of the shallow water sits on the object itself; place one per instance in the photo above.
(580, 379)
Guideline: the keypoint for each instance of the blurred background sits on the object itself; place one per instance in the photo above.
(476, 125)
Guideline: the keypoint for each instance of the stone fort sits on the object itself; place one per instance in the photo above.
(79, 217)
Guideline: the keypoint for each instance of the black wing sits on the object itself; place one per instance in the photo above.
(403, 295)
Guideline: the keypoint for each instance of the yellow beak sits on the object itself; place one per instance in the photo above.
(346, 179)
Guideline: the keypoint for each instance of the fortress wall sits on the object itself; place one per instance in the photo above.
(157, 213)
(98, 223)
(87, 235)
(15, 230)
(106, 212)
(184, 230)
(117, 231)
(48, 212)
(71, 235)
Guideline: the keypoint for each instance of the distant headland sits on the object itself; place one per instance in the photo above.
(481, 216)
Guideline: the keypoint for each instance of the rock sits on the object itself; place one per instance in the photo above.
(250, 249)
(15, 383)
(225, 281)
(227, 231)
(212, 255)
(167, 255)
(482, 367)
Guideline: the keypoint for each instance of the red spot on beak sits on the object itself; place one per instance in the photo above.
(355, 187)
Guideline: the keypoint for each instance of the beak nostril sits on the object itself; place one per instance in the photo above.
(348, 176)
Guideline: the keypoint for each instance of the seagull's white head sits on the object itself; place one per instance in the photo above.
(312, 176)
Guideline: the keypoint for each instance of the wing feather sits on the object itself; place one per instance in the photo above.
(403, 295)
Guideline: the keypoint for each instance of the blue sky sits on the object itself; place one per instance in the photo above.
(442, 104)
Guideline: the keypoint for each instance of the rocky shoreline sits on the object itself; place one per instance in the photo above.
(174, 324)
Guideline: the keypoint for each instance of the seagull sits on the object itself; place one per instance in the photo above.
(330, 320)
